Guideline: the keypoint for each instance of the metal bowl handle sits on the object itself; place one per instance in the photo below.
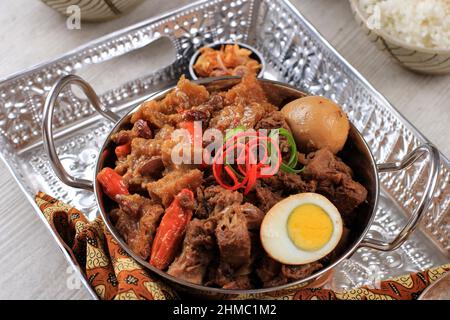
(415, 218)
(47, 130)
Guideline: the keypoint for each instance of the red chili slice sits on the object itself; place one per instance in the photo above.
(247, 164)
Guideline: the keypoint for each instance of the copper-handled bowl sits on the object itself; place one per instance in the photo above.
(255, 55)
(356, 154)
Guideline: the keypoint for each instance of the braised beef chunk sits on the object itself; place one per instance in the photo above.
(132, 205)
(272, 273)
(142, 165)
(197, 252)
(239, 283)
(276, 120)
(273, 120)
(267, 269)
(334, 181)
(324, 165)
(289, 183)
(226, 277)
(186, 95)
(239, 114)
(346, 196)
(289, 273)
(204, 111)
(215, 102)
(233, 239)
(218, 198)
(126, 225)
(136, 205)
(266, 198)
(201, 211)
(137, 222)
(245, 104)
(141, 147)
(142, 243)
(301, 271)
(253, 215)
(247, 91)
(186, 201)
(171, 184)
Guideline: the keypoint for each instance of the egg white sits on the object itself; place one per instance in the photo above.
(274, 234)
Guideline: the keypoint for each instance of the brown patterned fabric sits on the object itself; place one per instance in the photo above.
(407, 287)
(113, 274)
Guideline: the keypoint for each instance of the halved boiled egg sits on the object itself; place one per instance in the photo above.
(301, 229)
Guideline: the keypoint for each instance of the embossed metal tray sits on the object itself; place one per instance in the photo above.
(295, 53)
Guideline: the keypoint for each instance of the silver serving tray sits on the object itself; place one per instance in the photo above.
(295, 53)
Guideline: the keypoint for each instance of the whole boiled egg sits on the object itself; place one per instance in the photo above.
(301, 229)
(317, 122)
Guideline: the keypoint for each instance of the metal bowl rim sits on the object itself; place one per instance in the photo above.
(118, 237)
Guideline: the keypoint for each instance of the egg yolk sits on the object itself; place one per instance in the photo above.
(309, 227)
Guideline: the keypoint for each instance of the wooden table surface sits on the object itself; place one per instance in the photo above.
(31, 265)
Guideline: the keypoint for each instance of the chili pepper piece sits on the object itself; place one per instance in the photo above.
(123, 150)
(189, 126)
(171, 231)
(112, 183)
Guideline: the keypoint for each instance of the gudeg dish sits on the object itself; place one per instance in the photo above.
(356, 153)
(198, 225)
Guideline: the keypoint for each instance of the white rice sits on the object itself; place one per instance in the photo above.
(424, 23)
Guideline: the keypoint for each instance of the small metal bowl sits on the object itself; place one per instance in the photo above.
(216, 45)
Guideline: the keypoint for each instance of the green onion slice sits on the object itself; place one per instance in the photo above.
(292, 163)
